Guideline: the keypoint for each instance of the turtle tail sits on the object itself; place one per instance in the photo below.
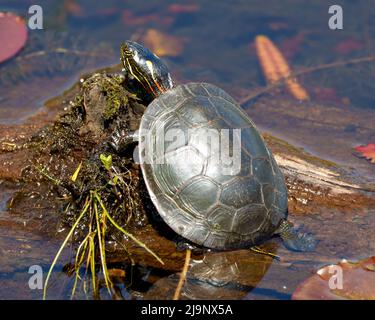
(295, 240)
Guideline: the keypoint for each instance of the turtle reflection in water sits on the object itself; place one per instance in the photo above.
(189, 189)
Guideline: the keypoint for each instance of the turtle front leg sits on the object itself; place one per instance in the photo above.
(183, 244)
(121, 140)
(294, 239)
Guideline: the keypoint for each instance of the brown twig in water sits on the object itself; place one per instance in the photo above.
(177, 293)
(305, 71)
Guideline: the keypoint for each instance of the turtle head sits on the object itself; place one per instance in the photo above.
(146, 67)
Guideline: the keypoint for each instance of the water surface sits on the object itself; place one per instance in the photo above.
(216, 38)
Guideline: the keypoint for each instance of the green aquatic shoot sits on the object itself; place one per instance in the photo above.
(87, 204)
(93, 244)
(75, 174)
(106, 160)
(78, 262)
(43, 171)
(101, 241)
(129, 235)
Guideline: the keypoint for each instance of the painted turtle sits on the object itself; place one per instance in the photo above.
(199, 190)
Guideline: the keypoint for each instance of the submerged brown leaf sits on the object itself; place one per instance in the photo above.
(275, 66)
(117, 275)
(358, 282)
(163, 44)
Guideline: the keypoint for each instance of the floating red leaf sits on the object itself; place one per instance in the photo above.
(367, 151)
(357, 281)
(13, 35)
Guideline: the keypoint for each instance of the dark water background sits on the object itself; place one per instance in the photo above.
(218, 48)
(217, 39)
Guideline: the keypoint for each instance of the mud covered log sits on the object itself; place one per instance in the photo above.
(57, 141)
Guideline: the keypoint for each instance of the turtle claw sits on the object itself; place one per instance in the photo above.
(120, 140)
(183, 244)
(296, 240)
(301, 242)
(114, 140)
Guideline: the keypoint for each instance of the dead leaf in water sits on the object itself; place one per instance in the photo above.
(367, 151)
(117, 275)
(358, 282)
(163, 44)
(13, 35)
(275, 66)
